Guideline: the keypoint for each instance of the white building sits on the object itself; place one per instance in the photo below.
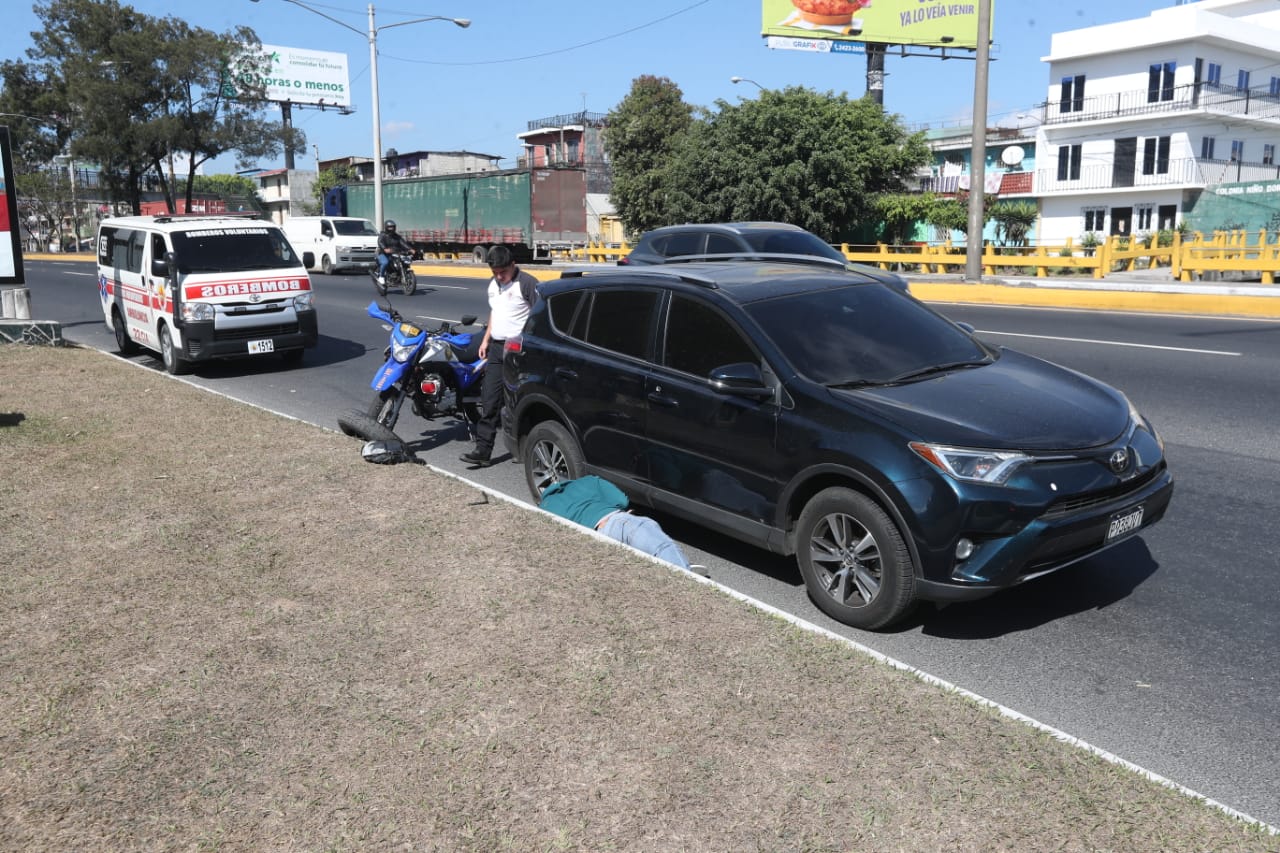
(1145, 115)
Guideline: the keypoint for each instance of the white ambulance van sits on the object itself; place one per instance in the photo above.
(335, 242)
(194, 288)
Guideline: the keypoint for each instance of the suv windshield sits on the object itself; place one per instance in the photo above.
(863, 334)
(791, 243)
(355, 227)
(247, 247)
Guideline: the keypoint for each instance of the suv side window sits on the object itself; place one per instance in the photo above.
(620, 320)
(721, 244)
(700, 339)
(683, 243)
(562, 307)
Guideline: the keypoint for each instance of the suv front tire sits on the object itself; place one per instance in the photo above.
(854, 561)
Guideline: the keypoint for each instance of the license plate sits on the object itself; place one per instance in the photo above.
(1123, 523)
(257, 347)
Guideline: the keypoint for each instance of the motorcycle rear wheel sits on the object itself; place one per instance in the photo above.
(381, 288)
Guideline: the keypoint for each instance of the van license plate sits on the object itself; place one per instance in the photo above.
(1123, 523)
(269, 345)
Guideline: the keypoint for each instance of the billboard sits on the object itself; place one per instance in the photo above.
(930, 23)
(10, 241)
(301, 76)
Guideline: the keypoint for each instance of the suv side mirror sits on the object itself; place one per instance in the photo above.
(743, 379)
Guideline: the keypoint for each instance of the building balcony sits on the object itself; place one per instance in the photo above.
(1186, 172)
(1258, 104)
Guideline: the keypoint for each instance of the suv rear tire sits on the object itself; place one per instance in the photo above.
(854, 561)
(550, 454)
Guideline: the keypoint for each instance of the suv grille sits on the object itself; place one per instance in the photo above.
(1073, 505)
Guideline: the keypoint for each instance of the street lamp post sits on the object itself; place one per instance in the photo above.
(372, 35)
(736, 79)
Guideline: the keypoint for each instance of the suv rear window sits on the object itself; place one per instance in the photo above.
(621, 321)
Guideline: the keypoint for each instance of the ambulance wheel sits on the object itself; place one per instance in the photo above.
(326, 265)
(125, 344)
(173, 362)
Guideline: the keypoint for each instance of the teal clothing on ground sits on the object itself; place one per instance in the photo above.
(585, 500)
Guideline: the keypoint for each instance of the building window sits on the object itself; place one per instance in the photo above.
(1072, 98)
(1214, 75)
(1268, 154)
(1142, 216)
(1242, 79)
(1094, 218)
(1206, 147)
(1237, 150)
(1274, 89)
(1155, 155)
(1160, 82)
(1069, 162)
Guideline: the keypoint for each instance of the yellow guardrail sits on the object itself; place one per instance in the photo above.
(1223, 251)
(600, 253)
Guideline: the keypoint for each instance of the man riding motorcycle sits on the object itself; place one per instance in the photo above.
(389, 243)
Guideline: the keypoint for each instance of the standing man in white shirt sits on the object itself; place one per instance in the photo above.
(511, 295)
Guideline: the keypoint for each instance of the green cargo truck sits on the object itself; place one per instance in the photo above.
(533, 211)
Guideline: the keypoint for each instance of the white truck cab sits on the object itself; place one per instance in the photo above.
(194, 288)
(335, 242)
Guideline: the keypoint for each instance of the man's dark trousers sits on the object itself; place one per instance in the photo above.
(490, 400)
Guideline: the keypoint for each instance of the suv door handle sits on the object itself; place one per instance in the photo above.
(660, 399)
(566, 373)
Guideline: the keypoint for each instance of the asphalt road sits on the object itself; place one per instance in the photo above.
(1162, 651)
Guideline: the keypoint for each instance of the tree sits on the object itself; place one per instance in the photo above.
(335, 176)
(1014, 220)
(900, 212)
(640, 134)
(128, 90)
(794, 155)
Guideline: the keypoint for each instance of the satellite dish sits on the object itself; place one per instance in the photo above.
(1012, 155)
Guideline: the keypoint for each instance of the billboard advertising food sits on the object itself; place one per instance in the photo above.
(931, 23)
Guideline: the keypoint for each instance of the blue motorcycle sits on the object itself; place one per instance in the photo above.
(439, 371)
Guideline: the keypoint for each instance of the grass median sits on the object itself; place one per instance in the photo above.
(222, 629)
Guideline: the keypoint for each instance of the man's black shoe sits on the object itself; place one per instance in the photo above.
(476, 458)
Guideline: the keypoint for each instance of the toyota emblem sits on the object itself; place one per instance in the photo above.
(1119, 460)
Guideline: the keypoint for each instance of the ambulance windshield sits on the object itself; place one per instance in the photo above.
(233, 249)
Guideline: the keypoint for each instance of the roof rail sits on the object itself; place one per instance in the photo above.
(656, 271)
(757, 256)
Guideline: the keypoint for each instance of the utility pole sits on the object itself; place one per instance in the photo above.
(978, 149)
(875, 72)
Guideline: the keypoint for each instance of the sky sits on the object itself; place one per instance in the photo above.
(443, 88)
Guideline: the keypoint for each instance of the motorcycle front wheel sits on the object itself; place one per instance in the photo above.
(382, 406)
(410, 282)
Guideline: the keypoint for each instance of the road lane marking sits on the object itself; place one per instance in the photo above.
(1108, 343)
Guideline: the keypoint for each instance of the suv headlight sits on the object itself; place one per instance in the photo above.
(993, 467)
(304, 302)
(195, 312)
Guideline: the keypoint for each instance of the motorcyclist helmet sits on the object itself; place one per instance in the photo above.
(390, 225)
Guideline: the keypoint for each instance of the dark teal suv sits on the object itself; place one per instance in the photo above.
(810, 411)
